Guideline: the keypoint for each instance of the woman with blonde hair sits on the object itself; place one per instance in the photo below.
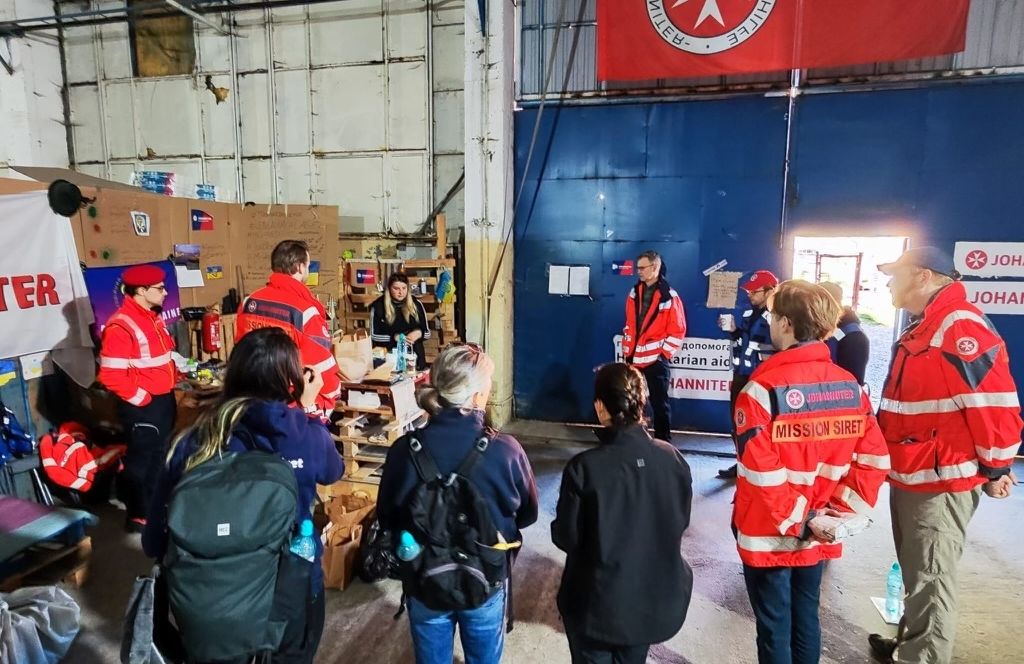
(398, 312)
(256, 412)
(502, 476)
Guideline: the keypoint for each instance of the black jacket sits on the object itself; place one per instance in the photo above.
(503, 477)
(850, 346)
(621, 514)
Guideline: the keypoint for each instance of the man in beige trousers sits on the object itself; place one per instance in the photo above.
(951, 418)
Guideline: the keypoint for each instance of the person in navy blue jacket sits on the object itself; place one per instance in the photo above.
(264, 378)
(849, 345)
(460, 387)
(751, 341)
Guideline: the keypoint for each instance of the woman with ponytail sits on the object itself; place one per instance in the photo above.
(263, 382)
(621, 514)
(398, 312)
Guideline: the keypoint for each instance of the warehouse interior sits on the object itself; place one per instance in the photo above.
(481, 147)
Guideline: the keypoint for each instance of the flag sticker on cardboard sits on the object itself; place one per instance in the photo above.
(201, 221)
(214, 272)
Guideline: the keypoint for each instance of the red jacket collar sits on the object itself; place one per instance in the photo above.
(811, 351)
(139, 310)
(952, 295)
(295, 287)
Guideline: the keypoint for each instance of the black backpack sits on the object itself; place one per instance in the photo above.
(459, 568)
(230, 522)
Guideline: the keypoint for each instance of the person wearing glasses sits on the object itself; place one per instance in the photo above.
(751, 340)
(654, 332)
(136, 364)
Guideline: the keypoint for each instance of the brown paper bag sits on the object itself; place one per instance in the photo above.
(341, 554)
(354, 353)
(350, 510)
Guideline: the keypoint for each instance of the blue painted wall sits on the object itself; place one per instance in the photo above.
(701, 181)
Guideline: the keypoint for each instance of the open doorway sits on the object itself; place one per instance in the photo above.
(852, 262)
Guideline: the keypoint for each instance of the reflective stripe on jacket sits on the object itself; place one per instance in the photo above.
(661, 332)
(950, 411)
(135, 355)
(807, 441)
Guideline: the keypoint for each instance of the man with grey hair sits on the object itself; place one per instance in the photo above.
(654, 331)
(951, 418)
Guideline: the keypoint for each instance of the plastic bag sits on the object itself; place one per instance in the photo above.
(37, 625)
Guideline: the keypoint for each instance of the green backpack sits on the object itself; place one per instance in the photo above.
(230, 522)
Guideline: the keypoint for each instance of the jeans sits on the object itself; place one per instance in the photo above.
(785, 602)
(657, 376)
(482, 631)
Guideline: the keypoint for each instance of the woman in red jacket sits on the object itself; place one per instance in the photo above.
(810, 456)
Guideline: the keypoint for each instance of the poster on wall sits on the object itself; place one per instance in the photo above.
(989, 259)
(701, 369)
(104, 286)
(1000, 297)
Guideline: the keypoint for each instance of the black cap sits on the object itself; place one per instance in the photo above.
(928, 258)
(65, 198)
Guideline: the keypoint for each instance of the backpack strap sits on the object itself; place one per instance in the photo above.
(468, 464)
(425, 465)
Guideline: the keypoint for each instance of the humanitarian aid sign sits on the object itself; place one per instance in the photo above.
(701, 369)
(989, 259)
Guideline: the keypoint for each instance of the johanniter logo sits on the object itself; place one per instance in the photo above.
(744, 18)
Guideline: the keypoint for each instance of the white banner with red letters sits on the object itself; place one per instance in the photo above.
(43, 301)
(701, 369)
(996, 297)
(989, 259)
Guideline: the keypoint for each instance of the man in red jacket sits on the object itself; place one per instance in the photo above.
(287, 303)
(951, 418)
(810, 455)
(654, 331)
(136, 364)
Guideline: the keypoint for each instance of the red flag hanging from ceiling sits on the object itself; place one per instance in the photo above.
(641, 40)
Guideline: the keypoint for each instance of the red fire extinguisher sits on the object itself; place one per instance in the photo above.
(211, 332)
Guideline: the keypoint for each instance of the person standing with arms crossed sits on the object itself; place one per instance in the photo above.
(951, 417)
(136, 364)
(654, 332)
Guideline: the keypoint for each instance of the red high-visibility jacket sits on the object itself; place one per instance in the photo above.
(288, 304)
(661, 332)
(70, 461)
(950, 411)
(807, 441)
(135, 355)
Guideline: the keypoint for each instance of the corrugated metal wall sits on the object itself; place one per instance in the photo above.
(995, 38)
(700, 181)
(356, 104)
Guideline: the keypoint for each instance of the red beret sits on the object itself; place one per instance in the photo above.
(142, 275)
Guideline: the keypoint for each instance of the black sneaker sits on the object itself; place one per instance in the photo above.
(134, 526)
(882, 648)
(728, 473)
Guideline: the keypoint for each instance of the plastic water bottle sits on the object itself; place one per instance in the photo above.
(894, 591)
(408, 547)
(303, 544)
(400, 354)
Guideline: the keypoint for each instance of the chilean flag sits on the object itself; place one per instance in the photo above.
(639, 40)
(201, 221)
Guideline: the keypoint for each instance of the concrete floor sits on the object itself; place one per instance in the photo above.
(719, 627)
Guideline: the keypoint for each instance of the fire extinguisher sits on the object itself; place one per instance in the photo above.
(211, 332)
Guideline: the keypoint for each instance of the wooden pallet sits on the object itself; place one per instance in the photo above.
(44, 566)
